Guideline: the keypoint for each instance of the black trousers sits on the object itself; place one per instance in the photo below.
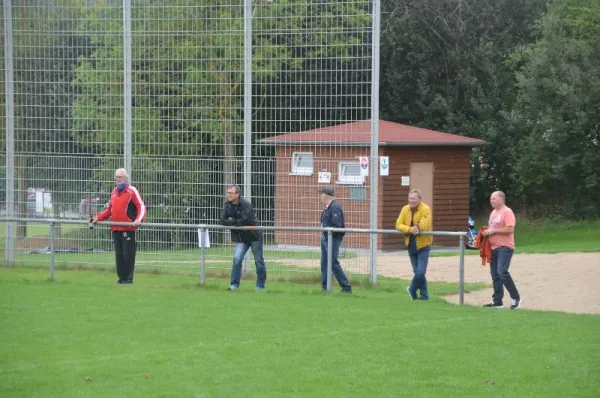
(125, 248)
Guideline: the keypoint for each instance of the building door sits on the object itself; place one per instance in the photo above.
(421, 177)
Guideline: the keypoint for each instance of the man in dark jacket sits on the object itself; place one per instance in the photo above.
(126, 205)
(238, 212)
(332, 217)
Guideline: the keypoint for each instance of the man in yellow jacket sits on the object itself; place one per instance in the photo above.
(414, 218)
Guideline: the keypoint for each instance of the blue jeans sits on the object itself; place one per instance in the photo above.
(238, 256)
(500, 276)
(336, 268)
(419, 260)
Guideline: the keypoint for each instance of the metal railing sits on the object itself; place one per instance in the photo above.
(202, 228)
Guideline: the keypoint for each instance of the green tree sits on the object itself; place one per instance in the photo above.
(444, 67)
(557, 169)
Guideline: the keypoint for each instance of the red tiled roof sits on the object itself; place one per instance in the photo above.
(359, 134)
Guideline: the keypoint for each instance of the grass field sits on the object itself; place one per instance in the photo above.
(85, 336)
(38, 229)
(556, 237)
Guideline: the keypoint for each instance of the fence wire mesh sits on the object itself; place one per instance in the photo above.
(193, 123)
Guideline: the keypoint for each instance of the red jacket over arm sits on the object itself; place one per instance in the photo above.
(483, 244)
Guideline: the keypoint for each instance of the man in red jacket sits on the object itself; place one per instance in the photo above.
(125, 205)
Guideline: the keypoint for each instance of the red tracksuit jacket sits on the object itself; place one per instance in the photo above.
(124, 206)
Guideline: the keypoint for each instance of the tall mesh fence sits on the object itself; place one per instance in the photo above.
(190, 131)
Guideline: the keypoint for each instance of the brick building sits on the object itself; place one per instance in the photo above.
(435, 162)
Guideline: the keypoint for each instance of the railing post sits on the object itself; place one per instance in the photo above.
(245, 263)
(461, 276)
(51, 250)
(202, 261)
(329, 258)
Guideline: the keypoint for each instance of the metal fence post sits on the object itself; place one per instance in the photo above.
(248, 99)
(51, 250)
(374, 160)
(329, 258)
(10, 130)
(127, 94)
(461, 277)
(247, 109)
(202, 261)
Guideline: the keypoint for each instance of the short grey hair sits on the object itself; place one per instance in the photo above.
(501, 195)
(417, 191)
(122, 171)
(234, 186)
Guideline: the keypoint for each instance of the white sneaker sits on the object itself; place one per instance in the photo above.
(412, 296)
(516, 303)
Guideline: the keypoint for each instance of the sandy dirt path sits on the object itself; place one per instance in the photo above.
(566, 282)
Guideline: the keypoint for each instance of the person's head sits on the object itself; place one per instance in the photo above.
(121, 176)
(414, 198)
(327, 194)
(233, 193)
(497, 199)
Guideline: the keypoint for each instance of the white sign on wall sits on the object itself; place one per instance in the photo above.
(384, 166)
(405, 181)
(324, 177)
(364, 166)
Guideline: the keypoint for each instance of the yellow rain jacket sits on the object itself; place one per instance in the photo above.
(422, 218)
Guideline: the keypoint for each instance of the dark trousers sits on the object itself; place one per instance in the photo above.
(125, 248)
(500, 276)
(336, 268)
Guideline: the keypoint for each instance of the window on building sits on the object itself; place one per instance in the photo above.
(357, 193)
(302, 163)
(349, 173)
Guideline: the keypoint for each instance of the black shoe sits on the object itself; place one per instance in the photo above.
(516, 303)
(492, 304)
(348, 291)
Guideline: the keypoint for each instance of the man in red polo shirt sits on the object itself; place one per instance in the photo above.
(126, 205)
